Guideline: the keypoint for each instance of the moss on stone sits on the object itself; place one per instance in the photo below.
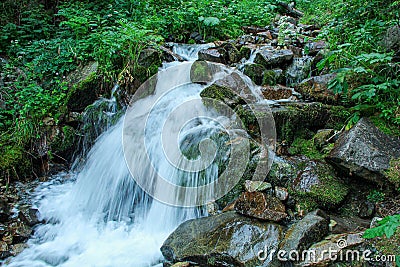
(83, 93)
(255, 72)
(393, 173)
(245, 52)
(328, 193)
(385, 127)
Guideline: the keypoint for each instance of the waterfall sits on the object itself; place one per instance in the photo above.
(143, 176)
(99, 216)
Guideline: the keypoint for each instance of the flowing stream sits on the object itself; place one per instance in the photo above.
(98, 216)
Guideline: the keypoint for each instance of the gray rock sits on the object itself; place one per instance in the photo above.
(214, 55)
(304, 233)
(365, 152)
(227, 239)
(260, 205)
(313, 48)
(253, 186)
(334, 243)
(273, 57)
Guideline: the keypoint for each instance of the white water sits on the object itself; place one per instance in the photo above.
(99, 217)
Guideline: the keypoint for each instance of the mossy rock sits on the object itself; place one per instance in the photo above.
(245, 52)
(136, 73)
(255, 72)
(202, 71)
(84, 87)
(317, 185)
(273, 77)
(63, 143)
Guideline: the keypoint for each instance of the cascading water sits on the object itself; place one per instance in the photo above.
(299, 70)
(99, 216)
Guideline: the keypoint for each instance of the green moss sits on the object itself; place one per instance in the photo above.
(83, 93)
(64, 141)
(14, 162)
(384, 126)
(255, 72)
(393, 173)
(200, 72)
(245, 52)
(327, 194)
(301, 146)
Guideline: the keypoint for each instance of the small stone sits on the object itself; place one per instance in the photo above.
(374, 222)
(332, 223)
(181, 264)
(367, 210)
(212, 208)
(253, 186)
(281, 193)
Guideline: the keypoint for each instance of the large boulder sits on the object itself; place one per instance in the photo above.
(293, 119)
(84, 87)
(227, 239)
(301, 235)
(316, 89)
(260, 205)
(364, 151)
(270, 58)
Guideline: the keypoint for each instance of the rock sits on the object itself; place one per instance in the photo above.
(213, 54)
(321, 137)
(365, 152)
(281, 172)
(278, 92)
(18, 248)
(4, 252)
(149, 57)
(169, 56)
(181, 264)
(316, 89)
(348, 224)
(304, 233)
(202, 72)
(260, 205)
(270, 58)
(212, 208)
(29, 216)
(253, 186)
(391, 41)
(196, 37)
(292, 119)
(227, 239)
(255, 72)
(4, 210)
(335, 244)
(83, 87)
(317, 183)
(232, 53)
(313, 48)
(245, 51)
(273, 77)
(232, 90)
(281, 193)
(366, 210)
(20, 232)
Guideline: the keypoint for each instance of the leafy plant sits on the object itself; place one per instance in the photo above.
(376, 196)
